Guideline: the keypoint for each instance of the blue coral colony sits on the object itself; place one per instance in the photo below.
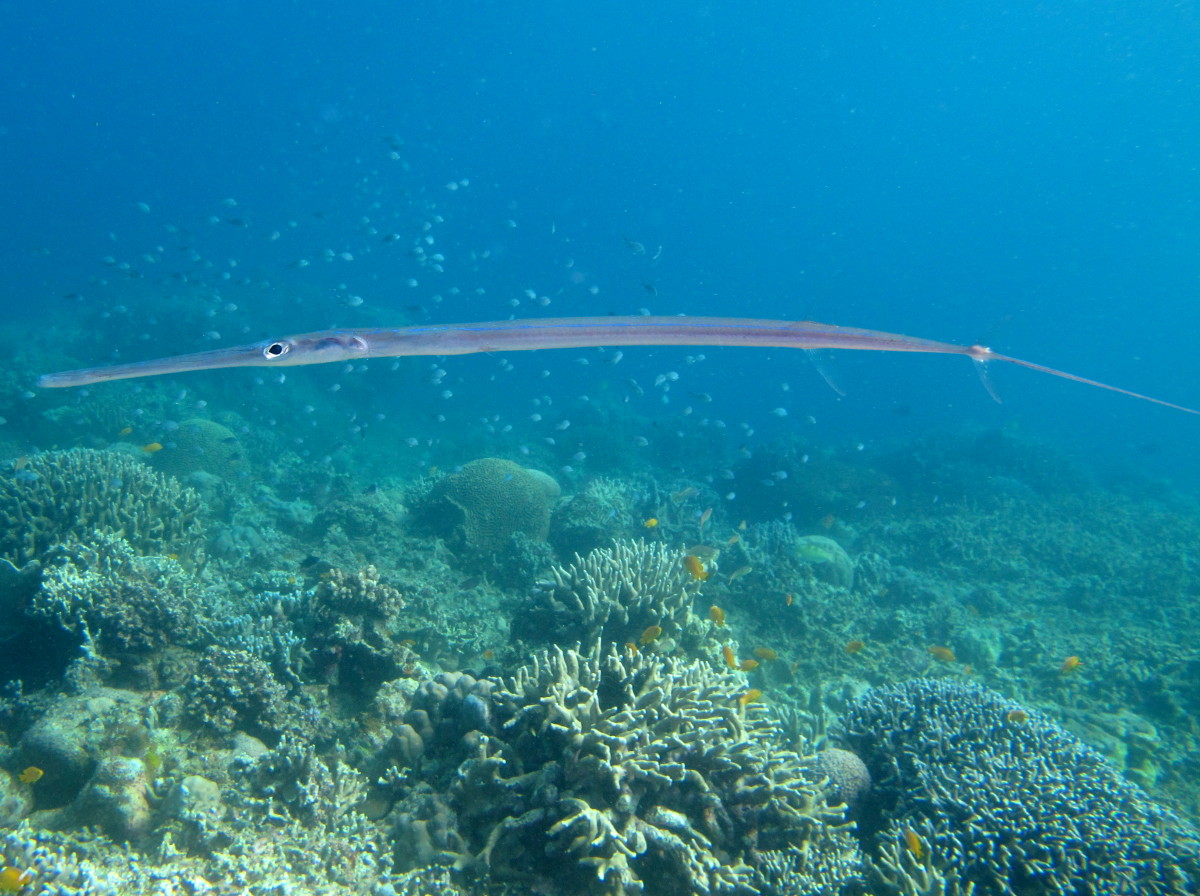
(660, 621)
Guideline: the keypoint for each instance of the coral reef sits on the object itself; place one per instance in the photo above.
(61, 495)
(615, 594)
(486, 502)
(1001, 798)
(614, 773)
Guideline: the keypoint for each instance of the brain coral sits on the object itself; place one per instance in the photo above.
(61, 495)
(612, 773)
(487, 501)
(1006, 806)
(200, 445)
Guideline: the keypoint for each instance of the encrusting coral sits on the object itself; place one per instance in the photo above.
(61, 495)
(614, 773)
(972, 791)
(615, 594)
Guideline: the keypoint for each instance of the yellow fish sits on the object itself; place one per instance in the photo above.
(153, 447)
(704, 518)
(855, 646)
(1070, 664)
(695, 567)
(650, 523)
(912, 841)
(126, 431)
(750, 696)
(1016, 716)
(716, 614)
(748, 665)
(766, 654)
(31, 774)
(945, 654)
(14, 880)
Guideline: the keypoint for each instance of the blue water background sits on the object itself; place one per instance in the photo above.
(1024, 173)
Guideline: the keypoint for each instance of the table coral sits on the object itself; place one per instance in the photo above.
(1002, 798)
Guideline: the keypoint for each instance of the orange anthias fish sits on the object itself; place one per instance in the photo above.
(739, 572)
(945, 654)
(684, 493)
(716, 614)
(730, 658)
(650, 635)
(766, 654)
(695, 567)
(704, 518)
(748, 665)
(750, 696)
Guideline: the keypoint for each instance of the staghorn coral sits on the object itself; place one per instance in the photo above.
(610, 774)
(62, 495)
(614, 594)
(1006, 806)
(486, 502)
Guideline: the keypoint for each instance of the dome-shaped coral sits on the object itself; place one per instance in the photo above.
(486, 502)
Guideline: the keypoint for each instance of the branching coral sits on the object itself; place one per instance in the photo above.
(61, 495)
(614, 594)
(116, 600)
(613, 773)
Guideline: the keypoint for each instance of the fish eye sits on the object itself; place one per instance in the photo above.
(276, 350)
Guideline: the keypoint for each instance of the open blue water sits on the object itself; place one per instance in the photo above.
(1022, 174)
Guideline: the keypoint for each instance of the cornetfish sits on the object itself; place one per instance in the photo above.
(330, 346)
